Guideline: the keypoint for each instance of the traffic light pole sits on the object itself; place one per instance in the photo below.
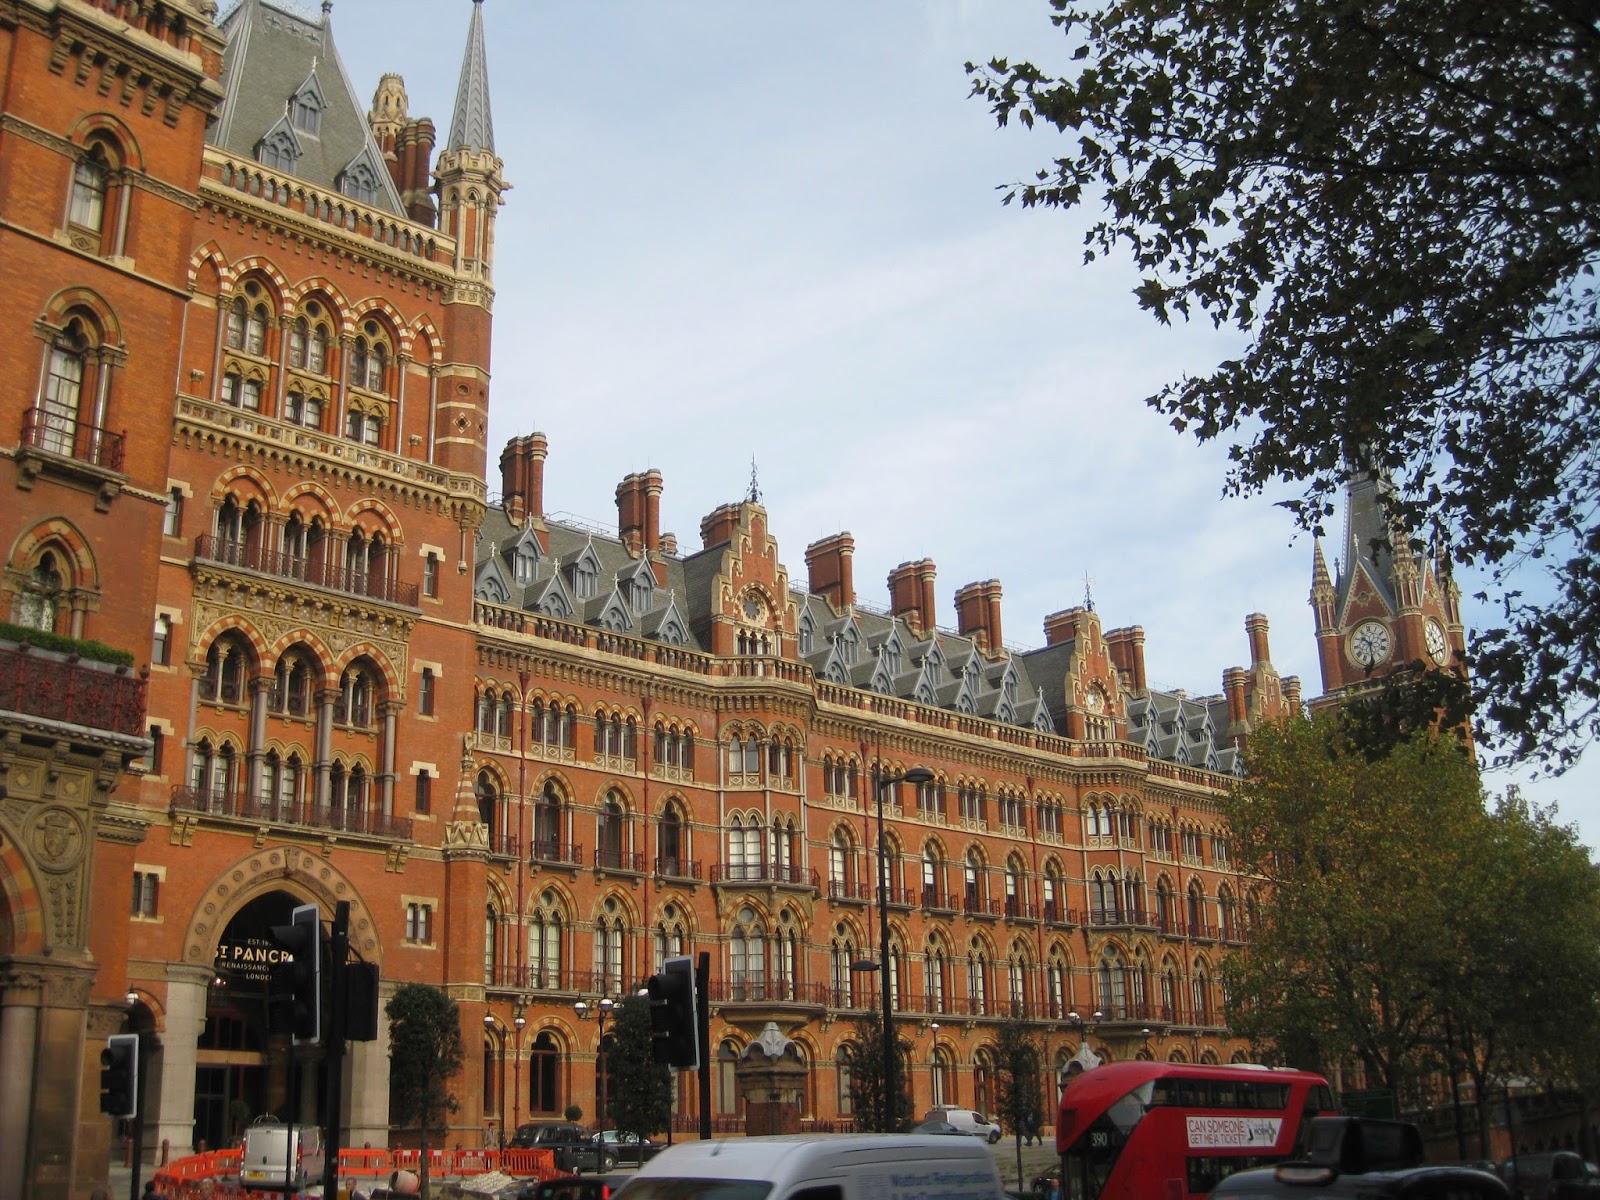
(142, 1058)
(702, 1033)
(333, 1097)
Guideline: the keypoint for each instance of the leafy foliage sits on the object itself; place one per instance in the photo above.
(641, 1095)
(425, 1054)
(1018, 1078)
(82, 647)
(1401, 922)
(873, 1112)
(1398, 203)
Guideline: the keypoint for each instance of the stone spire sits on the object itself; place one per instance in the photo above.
(472, 127)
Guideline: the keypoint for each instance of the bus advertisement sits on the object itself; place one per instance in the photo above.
(1171, 1131)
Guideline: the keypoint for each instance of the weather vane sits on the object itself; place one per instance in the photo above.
(754, 494)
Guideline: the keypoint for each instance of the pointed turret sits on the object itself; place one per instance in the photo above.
(472, 127)
(469, 187)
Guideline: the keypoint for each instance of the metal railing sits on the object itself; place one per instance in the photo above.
(307, 569)
(79, 440)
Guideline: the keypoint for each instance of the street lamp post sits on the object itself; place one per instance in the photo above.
(891, 1097)
(519, 1021)
(491, 1026)
(601, 1010)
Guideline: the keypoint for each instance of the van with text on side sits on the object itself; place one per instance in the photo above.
(836, 1166)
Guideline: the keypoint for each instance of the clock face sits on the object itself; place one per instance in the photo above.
(752, 608)
(1438, 645)
(1094, 701)
(1370, 645)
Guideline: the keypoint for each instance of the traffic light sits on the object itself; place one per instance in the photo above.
(119, 1075)
(296, 988)
(361, 1002)
(673, 1022)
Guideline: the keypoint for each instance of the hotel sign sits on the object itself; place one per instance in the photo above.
(249, 958)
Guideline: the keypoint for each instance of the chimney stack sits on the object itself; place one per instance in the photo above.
(639, 512)
(911, 594)
(1233, 686)
(1127, 654)
(719, 526)
(1256, 626)
(1291, 694)
(830, 562)
(522, 476)
(978, 614)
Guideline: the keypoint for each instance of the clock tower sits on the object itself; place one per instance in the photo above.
(1383, 607)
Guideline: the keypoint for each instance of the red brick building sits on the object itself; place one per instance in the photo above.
(248, 319)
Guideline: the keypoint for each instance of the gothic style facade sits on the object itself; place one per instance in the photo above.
(244, 436)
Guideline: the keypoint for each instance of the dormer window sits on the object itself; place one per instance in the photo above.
(278, 152)
(585, 579)
(849, 647)
(305, 112)
(360, 182)
(523, 564)
(889, 656)
(808, 633)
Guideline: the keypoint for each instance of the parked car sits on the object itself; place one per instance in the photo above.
(1552, 1175)
(628, 1147)
(574, 1146)
(967, 1120)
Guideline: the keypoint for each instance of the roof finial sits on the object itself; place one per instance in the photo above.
(1088, 591)
(327, 10)
(753, 496)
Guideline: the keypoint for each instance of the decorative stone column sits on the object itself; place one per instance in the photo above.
(170, 1091)
(771, 1080)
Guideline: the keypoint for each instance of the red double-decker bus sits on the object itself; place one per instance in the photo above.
(1171, 1131)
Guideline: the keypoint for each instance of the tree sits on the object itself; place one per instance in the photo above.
(1017, 1081)
(641, 1099)
(1363, 862)
(1397, 202)
(873, 1113)
(425, 1054)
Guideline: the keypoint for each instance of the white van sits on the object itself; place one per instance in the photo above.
(271, 1146)
(843, 1166)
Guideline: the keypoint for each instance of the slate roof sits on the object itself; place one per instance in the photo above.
(273, 55)
(945, 669)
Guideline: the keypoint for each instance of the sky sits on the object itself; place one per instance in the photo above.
(757, 232)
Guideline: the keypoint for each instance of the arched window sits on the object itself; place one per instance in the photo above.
(844, 1071)
(357, 695)
(1017, 984)
(39, 602)
(977, 981)
(670, 849)
(747, 962)
(1114, 986)
(1015, 900)
(544, 944)
(609, 848)
(227, 666)
(1197, 910)
(671, 937)
(983, 1096)
(784, 840)
(1050, 893)
(489, 808)
(491, 945)
(609, 935)
(841, 864)
(292, 683)
(544, 1062)
(841, 954)
(1055, 984)
(944, 1077)
(90, 180)
(973, 873)
(67, 379)
(786, 958)
(744, 848)
(727, 1094)
(931, 889)
(1202, 996)
(935, 973)
(548, 825)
